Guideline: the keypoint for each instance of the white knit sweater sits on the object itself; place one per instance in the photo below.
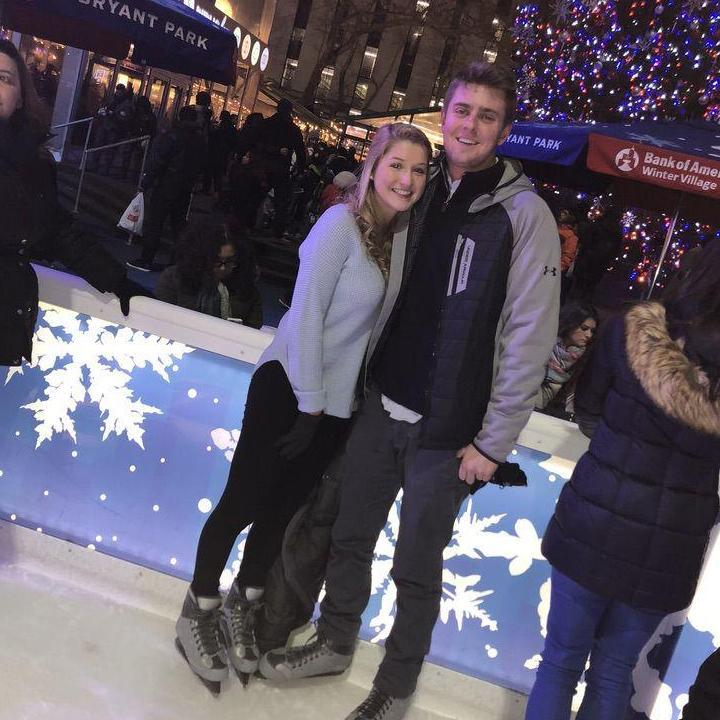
(322, 339)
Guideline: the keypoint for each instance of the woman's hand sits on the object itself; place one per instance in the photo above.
(297, 441)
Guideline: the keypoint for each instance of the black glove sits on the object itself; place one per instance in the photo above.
(298, 440)
(507, 475)
(125, 290)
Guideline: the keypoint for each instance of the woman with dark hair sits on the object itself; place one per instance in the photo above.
(215, 273)
(629, 532)
(35, 226)
(578, 324)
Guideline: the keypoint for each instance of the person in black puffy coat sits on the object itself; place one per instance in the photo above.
(629, 532)
(174, 166)
(34, 225)
(705, 692)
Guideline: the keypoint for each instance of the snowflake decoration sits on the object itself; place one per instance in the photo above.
(522, 33)
(472, 538)
(590, 5)
(692, 7)
(464, 601)
(562, 9)
(96, 362)
(226, 440)
(652, 140)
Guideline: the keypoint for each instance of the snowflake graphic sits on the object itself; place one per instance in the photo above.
(693, 7)
(562, 9)
(225, 440)
(523, 33)
(83, 357)
(472, 539)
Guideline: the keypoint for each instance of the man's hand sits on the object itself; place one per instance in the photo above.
(474, 466)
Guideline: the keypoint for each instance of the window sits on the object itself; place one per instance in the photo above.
(296, 41)
(288, 72)
(360, 94)
(368, 63)
(397, 100)
(326, 78)
(490, 52)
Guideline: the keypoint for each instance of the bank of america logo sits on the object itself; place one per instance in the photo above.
(627, 160)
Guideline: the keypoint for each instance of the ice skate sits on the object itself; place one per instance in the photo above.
(316, 658)
(199, 640)
(379, 706)
(237, 621)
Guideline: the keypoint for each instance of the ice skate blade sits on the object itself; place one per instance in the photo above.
(243, 677)
(212, 685)
(277, 677)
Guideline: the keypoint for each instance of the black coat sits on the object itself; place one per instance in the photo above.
(634, 521)
(705, 693)
(176, 160)
(272, 144)
(35, 227)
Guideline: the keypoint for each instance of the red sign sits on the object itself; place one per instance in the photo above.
(654, 165)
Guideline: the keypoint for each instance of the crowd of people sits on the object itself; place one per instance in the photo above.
(415, 348)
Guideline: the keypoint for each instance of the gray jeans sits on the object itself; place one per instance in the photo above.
(382, 456)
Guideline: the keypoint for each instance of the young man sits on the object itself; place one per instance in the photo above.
(455, 360)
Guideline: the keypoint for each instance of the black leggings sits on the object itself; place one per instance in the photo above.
(262, 487)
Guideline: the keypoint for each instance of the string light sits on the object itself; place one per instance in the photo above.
(612, 61)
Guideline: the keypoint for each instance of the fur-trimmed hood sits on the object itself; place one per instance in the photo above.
(676, 385)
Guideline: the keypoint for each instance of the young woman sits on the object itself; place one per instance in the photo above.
(578, 324)
(630, 529)
(215, 272)
(34, 225)
(300, 400)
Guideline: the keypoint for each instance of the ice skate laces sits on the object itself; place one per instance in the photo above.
(313, 648)
(242, 622)
(376, 704)
(205, 631)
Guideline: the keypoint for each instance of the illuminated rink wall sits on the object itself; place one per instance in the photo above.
(120, 439)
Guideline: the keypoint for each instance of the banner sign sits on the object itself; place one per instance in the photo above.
(556, 143)
(660, 166)
(164, 33)
(252, 50)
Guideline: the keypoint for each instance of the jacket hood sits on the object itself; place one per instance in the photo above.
(512, 182)
(674, 384)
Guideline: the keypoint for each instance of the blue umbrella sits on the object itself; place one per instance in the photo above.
(164, 33)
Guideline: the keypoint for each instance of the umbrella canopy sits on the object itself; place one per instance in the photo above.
(681, 159)
(164, 33)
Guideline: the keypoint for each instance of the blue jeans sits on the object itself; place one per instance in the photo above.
(583, 623)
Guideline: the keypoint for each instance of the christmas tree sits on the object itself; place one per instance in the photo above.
(619, 61)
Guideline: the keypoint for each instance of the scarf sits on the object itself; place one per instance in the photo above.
(562, 359)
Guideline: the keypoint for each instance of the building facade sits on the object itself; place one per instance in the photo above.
(74, 82)
(343, 58)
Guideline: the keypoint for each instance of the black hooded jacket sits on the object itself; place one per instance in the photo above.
(35, 227)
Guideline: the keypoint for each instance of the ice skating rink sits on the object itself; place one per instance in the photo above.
(90, 637)
(115, 442)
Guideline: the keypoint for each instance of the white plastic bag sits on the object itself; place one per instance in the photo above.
(132, 219)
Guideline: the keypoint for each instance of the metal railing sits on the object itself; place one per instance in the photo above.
(89, 120)
(87, 151)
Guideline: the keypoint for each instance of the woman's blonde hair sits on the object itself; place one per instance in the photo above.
(362, 200)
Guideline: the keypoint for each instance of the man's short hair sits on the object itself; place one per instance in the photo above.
(203, 98)
(488, 75)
